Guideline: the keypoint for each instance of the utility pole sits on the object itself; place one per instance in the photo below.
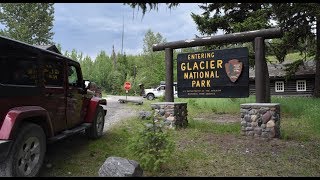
(122, 35)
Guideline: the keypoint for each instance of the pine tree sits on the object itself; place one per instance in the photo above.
(28, 22)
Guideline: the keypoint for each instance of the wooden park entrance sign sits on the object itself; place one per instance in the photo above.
(232, 70)
(213, 74)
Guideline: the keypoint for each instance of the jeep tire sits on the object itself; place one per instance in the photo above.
(150, 96)
(96, 130)
(27, 152)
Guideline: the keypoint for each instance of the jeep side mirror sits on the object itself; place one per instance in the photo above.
(86, 84)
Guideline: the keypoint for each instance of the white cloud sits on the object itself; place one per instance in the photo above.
(90, 27)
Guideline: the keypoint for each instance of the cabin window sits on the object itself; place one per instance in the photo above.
(301, 85)
(279, 86)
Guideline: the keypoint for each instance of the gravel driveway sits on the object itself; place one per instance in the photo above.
(119, 111)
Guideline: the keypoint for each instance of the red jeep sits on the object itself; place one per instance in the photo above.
(43, 98)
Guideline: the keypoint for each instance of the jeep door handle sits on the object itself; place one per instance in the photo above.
(48, 94)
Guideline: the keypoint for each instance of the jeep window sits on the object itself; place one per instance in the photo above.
(53, 73)
(18, 71)
(162, 88)
(73, 78)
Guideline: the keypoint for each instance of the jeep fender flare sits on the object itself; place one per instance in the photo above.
(17, 115)
(92, 108)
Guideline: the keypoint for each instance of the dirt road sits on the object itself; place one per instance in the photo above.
(118, 111)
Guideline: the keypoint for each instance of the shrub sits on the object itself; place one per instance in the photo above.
(162, 99)
(152, 146)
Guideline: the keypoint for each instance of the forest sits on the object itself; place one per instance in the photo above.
(33, 22)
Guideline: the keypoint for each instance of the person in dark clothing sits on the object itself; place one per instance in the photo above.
(141, 86)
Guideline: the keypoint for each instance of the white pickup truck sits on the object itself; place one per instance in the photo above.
(153, 93)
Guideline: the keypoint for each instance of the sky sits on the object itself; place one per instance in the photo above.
(92, 27)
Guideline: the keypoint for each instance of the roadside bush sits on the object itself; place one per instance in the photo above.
(162, 99)
(192, 102)
(152, 146)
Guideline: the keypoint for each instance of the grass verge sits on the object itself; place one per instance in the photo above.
(206, 148)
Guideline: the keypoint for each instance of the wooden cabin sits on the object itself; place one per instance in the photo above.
(299, 84)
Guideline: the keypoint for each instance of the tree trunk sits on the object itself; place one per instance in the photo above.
(316, 92)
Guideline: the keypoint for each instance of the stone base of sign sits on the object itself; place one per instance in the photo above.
(260, 120)
(171, 114)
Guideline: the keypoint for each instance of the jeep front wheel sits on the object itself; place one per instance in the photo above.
(96, 130)
(27, 153)
(150, 96)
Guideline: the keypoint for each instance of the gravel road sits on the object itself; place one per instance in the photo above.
(119, 111)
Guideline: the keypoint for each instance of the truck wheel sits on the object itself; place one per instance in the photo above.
(150, 96)
(96, 130)
(27, 152)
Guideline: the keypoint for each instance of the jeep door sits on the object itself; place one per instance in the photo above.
(18, 83)
(53, 97)
(75, 95)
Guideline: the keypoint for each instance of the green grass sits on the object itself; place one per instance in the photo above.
(206, 148)
(215, 105)
(289, 57)
(300, 119)
(78, 156)
(211, 127)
